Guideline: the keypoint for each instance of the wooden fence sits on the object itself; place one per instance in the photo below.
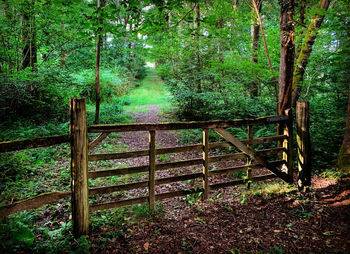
(80, 159)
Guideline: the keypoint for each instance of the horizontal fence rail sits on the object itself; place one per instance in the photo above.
(179, 149)
(15, 145)
(186, 125)
(35, 202)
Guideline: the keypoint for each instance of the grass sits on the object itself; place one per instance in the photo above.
(151, 91)
(268, 190)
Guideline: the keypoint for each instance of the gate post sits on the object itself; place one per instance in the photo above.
(304, 145)
(205, 163)
(79, 167)
(288, 144)
(152, 169)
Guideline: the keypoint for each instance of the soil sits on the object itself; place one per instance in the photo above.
(229, 221)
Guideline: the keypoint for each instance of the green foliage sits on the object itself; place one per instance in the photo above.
(13, 167)
(16, 234)
(112, 84)
(193, 198)
(37, 95)
(19, 234)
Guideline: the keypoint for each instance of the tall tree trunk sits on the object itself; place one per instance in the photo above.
(344, 154)
(306, 49)
(28, 37)
(287, 55)
(97, 72)
(255, 30)
(197, 53)
(63, 53)
(302, 6)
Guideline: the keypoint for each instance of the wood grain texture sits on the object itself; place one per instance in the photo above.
(79, 167)
(15, 145)
(185, 125)
(35, 202)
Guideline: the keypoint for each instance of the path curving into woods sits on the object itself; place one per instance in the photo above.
(271, 218)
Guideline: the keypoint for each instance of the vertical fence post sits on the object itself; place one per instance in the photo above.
(152, 169)
(79, 167)
(249, 161)
(288, 144)
(205, 163)
(304, 145)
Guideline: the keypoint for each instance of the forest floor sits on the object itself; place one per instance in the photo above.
(271, 217)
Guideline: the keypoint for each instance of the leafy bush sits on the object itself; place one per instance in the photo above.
(37, 96)
(112, 83)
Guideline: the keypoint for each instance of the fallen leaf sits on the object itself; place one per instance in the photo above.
(146, 246)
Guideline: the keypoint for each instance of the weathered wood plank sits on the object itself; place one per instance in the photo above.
(8, 146)
(224, 171)
(98, 140)
(79, 167)
(118, 171)
(304, 146)
(258, 158)
(205, 163)
(131, 186)
(35, 202)
(179, 149)
(115, 156)
(196, 147)
(179, 164)
(134, 154)
(152, 169)
(114, 188)
(173, 179)
(236, 156)
(288, 144)
(251, 142)
(115, 204)
(185, 125)
(249, 161)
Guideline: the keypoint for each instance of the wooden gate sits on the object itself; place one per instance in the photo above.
(281, 166)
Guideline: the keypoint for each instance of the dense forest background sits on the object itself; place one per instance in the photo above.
(210, 54)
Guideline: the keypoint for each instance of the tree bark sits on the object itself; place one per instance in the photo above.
(344, 154)
(197, 54)
(97, 71)
(28, 37)
(287, 55)
(306, 49)
(255, 30)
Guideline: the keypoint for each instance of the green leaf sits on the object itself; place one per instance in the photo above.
(23, 235)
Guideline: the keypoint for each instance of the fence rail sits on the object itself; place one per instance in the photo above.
(186, 125)
(15, 145)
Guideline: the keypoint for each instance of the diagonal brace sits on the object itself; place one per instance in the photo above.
(245, 149)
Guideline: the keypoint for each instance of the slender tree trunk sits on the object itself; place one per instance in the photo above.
(344, 154)
(287, 55)
(255, 33)
(97, 72)
(267, 52)
(28, 37)
(302, 6)
(306, 49)
(197, 53)
(63, 53)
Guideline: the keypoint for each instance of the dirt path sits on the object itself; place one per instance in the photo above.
(229, 221)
